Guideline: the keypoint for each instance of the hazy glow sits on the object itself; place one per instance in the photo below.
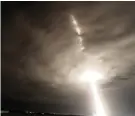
(91, 76)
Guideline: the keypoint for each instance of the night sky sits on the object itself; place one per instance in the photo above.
(46, 45)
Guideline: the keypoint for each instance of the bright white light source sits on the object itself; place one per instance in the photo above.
(91, 76)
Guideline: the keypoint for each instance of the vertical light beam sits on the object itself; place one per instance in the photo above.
(91, 77)
(98, 102)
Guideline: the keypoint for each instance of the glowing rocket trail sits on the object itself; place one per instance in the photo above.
(89, 75)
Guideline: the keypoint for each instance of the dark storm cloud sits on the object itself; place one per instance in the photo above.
(39, 51)
(26, 41)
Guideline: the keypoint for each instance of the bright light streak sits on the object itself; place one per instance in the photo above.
(73, 20)
(78, 31)
(91, 77)
(80, 42)
(75, 24)
(98, 102)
